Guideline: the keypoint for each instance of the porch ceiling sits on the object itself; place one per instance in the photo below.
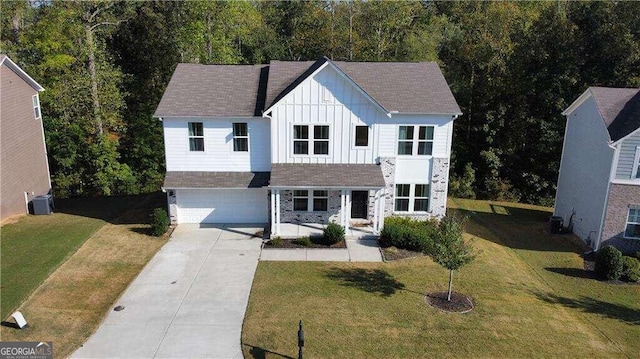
(327, 176)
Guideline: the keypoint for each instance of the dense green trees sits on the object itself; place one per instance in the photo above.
(513, 67)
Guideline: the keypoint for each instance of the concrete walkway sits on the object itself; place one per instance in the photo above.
(358, 250)
(188, 302)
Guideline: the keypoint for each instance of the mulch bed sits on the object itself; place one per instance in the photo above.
(393, 254)
(459, 303)
(315, 243)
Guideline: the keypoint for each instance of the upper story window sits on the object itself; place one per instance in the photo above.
(412, 198)
(635, 172)
(196, 137)
(362, 136)
(632, 229)
(36, 106)
(414, 140)
(240, 137)
(302, 143)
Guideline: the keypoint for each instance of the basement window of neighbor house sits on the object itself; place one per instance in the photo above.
(196, 137)
(240, 137)
(633, 223)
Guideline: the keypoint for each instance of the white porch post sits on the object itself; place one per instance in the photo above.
(343, 210)
(347, 214)
(381, 211)
(273, 212)
(278, 211)
(375, 211)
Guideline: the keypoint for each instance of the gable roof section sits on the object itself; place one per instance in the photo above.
(620, 109)
(5, 60)
(402, 87)
(246, 90)
(214, 90)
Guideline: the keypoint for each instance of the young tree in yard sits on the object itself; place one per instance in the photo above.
(449, 249)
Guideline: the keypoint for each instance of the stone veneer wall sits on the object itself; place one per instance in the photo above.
(439, 179)
(288, 215)
(173, 206)
(620, 197)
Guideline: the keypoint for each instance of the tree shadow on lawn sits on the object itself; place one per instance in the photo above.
(111, 208)
(371, 281)
(573, 272)
(594, 306)
(261, 353)
(519, 228)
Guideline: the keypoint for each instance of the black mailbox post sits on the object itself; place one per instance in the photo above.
(300, 340)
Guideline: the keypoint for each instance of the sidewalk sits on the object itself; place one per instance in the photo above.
(358, 250)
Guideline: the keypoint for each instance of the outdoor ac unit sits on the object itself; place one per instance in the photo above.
(42, 204)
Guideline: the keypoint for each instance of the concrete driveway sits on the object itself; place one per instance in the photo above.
(188, 302)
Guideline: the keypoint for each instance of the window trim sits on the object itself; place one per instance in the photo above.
(635, 170)
(627, 222)
(412, 198)
(354, 138)
(415, 140)
(35, 101)
(310, 140)
(233, 140)
(189, 137)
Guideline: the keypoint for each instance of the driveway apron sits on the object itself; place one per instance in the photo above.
(188, 302)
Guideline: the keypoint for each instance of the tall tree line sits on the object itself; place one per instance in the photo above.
(513, 67)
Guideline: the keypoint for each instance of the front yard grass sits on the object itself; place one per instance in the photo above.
(531, 296)
(70, 304)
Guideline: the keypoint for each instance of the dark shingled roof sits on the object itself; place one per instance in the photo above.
(183, 179)
(214, 90)
(247, 90)
(620, 109)
(328, 176)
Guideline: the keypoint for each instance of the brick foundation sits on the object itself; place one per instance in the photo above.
(620, 197)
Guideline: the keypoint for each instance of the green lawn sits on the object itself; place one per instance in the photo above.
(34, 246)
(532, 300)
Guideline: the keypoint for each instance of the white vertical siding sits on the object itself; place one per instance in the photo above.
(346, 108)
(218, 144)
(627, 156)
(584, 170)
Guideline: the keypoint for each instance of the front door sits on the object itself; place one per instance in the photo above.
(359, 204)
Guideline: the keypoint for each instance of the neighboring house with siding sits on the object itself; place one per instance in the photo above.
(24, 168)
(307, 142)
(599, 181)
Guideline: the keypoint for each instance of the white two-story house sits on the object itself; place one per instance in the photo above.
(307, 142)
(599, 182)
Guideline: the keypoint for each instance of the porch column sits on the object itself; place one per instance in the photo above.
(347, 214)
(343, 210)
(381, 210)
(375, 211)
(278, 211)
(273, 212)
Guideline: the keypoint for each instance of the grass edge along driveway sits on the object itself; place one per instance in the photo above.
(532, 300)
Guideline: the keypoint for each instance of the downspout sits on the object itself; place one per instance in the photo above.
(612, 174)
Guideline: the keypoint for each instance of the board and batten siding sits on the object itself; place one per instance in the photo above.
(584, 171)
(627, 156)
(218, 152)
(327, 98)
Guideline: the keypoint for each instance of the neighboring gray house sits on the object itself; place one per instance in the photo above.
(599, 181)
(307, 142)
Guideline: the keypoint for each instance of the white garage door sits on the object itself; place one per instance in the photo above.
(246, 205)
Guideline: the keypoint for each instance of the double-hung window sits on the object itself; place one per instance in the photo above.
(196, 137)
(633, 223)
(36, 107)
(317, 202)
(240, 137)
(302, 141)
(412, 198)
(635, 172)
(414, 140)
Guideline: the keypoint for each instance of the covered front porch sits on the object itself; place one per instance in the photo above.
(305, 198)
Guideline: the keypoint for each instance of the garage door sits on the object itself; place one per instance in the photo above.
(247, 205)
